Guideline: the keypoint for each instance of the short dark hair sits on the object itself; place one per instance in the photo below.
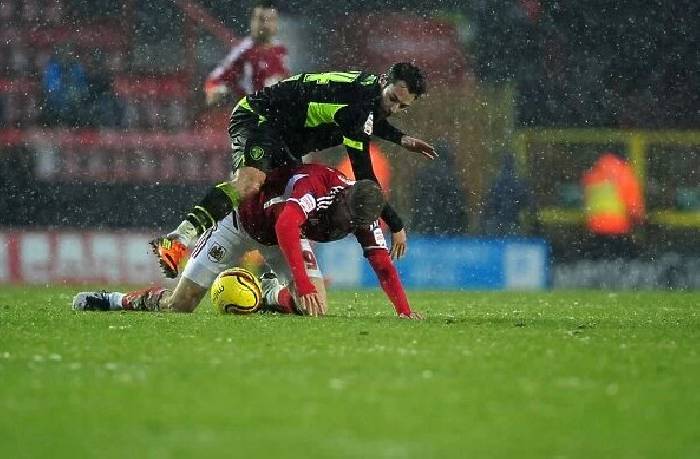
(412, 75)
(265, 4)
(366, 202)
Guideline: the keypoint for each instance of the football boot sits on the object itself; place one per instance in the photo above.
(92, 301)
(171, 254)
(147, 299)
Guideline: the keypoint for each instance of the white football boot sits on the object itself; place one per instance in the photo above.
(271, 287)
(98, 301)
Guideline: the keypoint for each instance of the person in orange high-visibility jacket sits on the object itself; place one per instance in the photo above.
(613, 197)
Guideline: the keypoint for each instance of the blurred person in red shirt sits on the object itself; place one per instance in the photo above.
(255, 62)
(614, 206)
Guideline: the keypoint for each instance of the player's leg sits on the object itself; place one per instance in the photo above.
(213, 253)
(218, 202)
(257, 149)
(184, 298)
(146, 299)
(278, 290)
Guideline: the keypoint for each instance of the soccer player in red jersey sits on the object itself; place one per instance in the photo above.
(294, 206)
(255, 62)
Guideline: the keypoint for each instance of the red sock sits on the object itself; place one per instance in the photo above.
(146, 299)
(285, 302)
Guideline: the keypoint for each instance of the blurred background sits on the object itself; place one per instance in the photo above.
(569, 133)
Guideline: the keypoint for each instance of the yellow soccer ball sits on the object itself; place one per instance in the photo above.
(236, 291)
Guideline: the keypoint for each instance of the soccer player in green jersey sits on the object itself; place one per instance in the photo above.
(278, 125)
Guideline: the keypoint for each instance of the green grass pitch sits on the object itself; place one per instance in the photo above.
(486, 375)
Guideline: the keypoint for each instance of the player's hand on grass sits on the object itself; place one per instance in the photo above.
(399, 244)
(313, 304)
(414, 315)
(418, 146)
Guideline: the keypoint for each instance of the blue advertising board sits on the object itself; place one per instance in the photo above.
(446, 263)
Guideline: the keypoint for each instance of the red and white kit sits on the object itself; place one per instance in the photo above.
(291, 209)
(249, 67)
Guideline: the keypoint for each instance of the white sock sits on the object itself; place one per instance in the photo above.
(272, 295)
(115, 301)
(187, 233)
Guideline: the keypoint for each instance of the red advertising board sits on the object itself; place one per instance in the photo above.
(51, 257)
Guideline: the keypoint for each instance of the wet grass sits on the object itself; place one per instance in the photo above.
(561, 375)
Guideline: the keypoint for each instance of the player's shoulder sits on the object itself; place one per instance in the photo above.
(246, 44)
(365, 89)
(312, 168)
(278, 46)
(239, 51)
(321, 170)
(317, 179)
(280, 174)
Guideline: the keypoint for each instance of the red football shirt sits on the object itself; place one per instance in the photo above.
(312, 187)
(249, 67)
(311, 190)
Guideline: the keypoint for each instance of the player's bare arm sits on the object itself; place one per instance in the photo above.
(399, 244)
(391, 282)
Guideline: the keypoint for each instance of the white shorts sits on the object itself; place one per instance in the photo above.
(221, 246)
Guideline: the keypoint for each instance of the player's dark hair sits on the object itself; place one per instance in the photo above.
(366, 202)
(265, 4)
(409, 73)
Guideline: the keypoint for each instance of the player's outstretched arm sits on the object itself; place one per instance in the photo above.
(288, 230)
(391, 283)
(313, 304)
(418, 146)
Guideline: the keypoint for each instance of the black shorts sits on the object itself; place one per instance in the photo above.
(256, 143)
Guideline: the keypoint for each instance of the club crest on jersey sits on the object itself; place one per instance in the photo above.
(216, 253)
(369, 124)
(256, 152)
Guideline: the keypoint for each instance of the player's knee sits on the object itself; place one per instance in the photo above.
(181, 302)
(248, 180)
(184, 305)
(186, 296)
